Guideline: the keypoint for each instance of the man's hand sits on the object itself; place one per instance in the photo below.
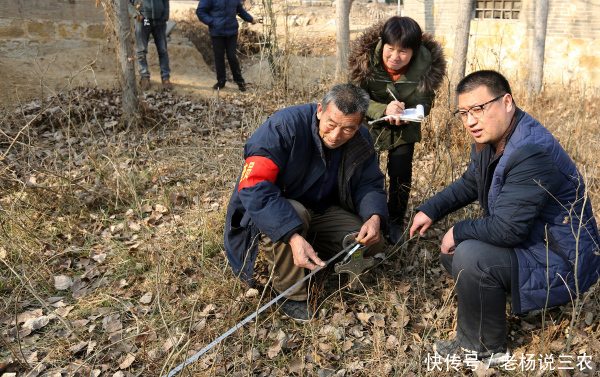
(139, 17)
(395, 108)
(304, 254)
(420, 224)
(448, 242)
(369, 232)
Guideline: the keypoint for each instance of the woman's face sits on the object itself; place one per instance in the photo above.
(396, 57)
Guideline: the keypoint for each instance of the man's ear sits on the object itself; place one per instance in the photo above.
(508, 103)
(319, 110)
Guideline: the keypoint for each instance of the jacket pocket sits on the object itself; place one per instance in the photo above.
(554, 247)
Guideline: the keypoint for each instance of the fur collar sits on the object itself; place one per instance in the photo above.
(361, 56)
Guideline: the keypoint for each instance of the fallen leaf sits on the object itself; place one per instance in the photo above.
(3, 253)
(99, 257)
(62, 282)
(112, 323)
(403, 288)
(146, 298)
(252, 292)
(391, 343)
(129, 359)
(296, 366)
(324, 347)
(348, 344)
(364, 317)
(78, 347)
(167, 345)
(90, 347)
(135, 226)
(483, 370)
(160, 208)
(28, 315)
(36, 323)
(63, 312)
(274, 350)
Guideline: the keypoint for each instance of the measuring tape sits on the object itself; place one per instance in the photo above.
(349, 250)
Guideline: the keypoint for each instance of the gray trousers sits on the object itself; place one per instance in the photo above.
(482, 273)
(325, 233)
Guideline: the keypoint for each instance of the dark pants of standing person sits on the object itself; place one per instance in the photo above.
(158, 29)
(482, 273)
(222, 45)
(400, 171)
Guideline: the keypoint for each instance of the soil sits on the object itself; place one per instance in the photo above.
(305, 51)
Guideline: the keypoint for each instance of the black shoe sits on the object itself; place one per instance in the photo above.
(219, 85)
(395, 232)
(296, 310)
(241, 86)
(445, 348)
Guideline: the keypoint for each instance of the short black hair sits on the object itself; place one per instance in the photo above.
(349, 99)
(495, 83)
(403, 31)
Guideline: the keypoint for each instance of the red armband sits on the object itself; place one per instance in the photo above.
(257, 169)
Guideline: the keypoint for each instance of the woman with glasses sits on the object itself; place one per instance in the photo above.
(400, 67)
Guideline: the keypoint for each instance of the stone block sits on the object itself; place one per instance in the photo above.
(69, 30)
(41, 29)
(11, 28)
(96, 31)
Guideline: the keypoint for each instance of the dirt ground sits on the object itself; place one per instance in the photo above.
(57, 65)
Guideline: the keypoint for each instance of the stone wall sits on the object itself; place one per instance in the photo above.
(54, 10)
(572, 41)
(31, 28)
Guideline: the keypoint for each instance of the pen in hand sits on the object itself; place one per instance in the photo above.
(392, 93)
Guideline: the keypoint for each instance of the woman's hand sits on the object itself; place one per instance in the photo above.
(395, 108)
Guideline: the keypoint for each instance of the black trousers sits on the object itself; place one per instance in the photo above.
(399, 168)
(222, 46)
(482, 273)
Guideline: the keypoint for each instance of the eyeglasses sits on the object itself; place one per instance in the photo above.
(476, 111)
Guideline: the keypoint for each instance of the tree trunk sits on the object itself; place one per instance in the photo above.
(539, 46)
(342, 23)
(461, 45)
(126, 58)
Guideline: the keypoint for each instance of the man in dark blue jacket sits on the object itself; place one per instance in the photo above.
(151, 17)
(220, 16)
(310, 176)
(535, 206)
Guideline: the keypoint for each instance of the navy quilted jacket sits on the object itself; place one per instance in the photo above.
(533, 198)
(291, 141)
(220, 16)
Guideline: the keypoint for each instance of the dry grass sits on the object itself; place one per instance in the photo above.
(123, 213)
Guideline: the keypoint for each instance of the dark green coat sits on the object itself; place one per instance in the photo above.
(416, 87)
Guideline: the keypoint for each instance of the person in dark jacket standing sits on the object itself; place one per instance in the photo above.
(310, 177)
(220, 16)
(400, 67)
(534, 203)
(151, 17)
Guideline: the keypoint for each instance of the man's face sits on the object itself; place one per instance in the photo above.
(335, 128)
(491, 126)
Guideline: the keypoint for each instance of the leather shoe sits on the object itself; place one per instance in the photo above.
(395, 232)
(296, 310)
(241, 86)
(219, 85)
(145, 83)
(167, 84)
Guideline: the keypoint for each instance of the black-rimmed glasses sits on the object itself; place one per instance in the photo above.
(476, 111)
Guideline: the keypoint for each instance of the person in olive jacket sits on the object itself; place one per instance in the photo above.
(151, 17)
(220, 16)
(395, 59)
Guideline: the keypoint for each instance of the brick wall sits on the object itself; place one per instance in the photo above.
(572, 39)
